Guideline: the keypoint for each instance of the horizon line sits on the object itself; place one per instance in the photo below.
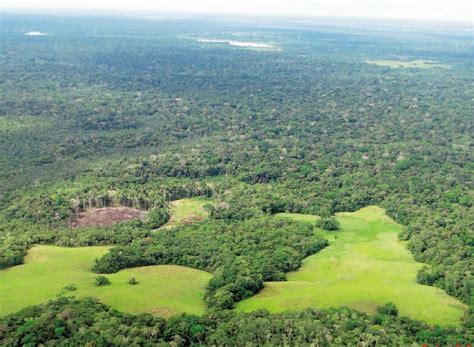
(138, 13)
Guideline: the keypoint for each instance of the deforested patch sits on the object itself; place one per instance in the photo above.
(105, 216)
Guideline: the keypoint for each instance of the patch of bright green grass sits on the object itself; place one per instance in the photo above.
(187, 211)
(418, 64)
(163, 290)
(7, 124)
(20, 123)
(309, 218)
(364, 266)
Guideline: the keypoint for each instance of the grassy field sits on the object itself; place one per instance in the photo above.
(186, 211)
(162, 290)
(364, 266)
(310, 218)
(418, 64)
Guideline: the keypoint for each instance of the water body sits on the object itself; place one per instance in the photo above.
(240, 43)
(35, 33)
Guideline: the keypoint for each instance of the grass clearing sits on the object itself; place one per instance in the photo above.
(417, 64)
(11, 123)
(163, 290)
(309, 218)
(364, 266)
(187, 211)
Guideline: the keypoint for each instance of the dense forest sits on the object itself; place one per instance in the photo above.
(67, 322)
(139, 113)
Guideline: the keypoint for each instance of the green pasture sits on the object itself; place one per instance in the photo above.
(364, 266)
(186, 211)
(163, 290)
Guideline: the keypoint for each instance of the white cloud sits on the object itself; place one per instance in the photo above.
(35, 33)
(459, 10)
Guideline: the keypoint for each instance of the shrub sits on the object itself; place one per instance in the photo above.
(329, 224)
(132, 280)
(70, 287)
(101, 281)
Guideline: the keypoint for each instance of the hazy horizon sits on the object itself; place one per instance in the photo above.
(454, 11)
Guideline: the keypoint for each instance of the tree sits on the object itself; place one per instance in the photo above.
(329, 224)
(157, 217)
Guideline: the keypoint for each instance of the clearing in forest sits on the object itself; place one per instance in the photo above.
(163, 290)
(187, 211)
(105, 216)
(365, 265)
(418, 64)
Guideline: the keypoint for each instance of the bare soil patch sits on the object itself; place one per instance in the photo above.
(163, 312)
(105, 216)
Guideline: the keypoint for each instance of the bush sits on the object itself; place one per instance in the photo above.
(70, 287)
(132, 280)
(329, 224)
(101, 281)
(389, 309)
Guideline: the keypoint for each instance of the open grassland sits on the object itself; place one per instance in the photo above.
(162, 290)
(418, 64)
(187, 211)
(364, 266)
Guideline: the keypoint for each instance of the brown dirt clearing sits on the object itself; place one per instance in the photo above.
(105, 216)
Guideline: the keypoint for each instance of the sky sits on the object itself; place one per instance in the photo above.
(438, 10)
